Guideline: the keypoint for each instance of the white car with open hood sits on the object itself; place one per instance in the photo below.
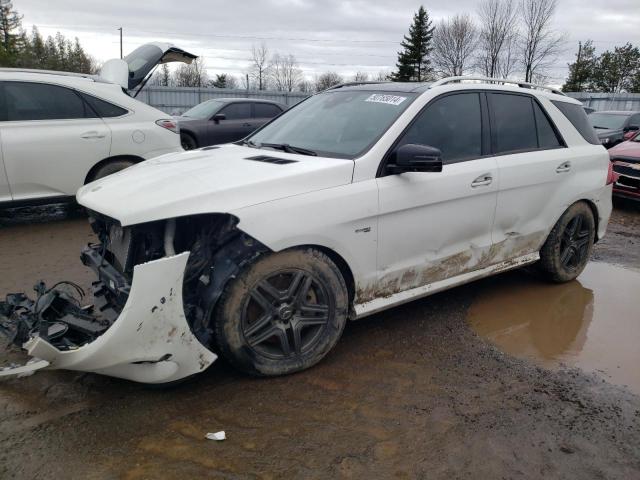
(357, 199)
(59, 131)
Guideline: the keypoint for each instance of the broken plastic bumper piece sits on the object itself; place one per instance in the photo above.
(149, 341)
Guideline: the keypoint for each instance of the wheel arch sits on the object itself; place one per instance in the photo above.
(92, 171)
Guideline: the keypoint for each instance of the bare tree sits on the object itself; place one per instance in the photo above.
(454, 42)
(539, 45)
(305, 86)
(259, 69)
(284, 72)
(326, 80)
(361, 77)
(497, 33)
(383, 76)
(193, 74)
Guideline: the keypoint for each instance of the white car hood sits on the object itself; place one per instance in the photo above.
(218, 180)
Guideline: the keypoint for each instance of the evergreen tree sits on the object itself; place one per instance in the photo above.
(616, 70)
(413, 63)
(582, 70)
(220, 81)
(10, 30)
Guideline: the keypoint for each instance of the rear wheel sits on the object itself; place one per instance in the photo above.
(282, 314)
(568, 247)
(111, 167)
(188, 142)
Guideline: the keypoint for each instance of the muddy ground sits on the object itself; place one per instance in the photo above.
(409, 393)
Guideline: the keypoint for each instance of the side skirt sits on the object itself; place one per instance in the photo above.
(382, 303)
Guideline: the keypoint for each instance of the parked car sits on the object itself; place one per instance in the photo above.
(612, 126)
(224, 120)
(626, 164)
(589, 110)
(358, 199)
(59, 131)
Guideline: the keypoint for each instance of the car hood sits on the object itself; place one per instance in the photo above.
(626, 149)
(210, 180)
(604, 133)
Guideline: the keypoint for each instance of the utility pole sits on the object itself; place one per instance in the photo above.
(120, 28)
(579, 67)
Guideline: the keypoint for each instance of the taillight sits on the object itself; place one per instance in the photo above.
(169, 125)
(612, 177)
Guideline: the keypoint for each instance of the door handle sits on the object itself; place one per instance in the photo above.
(482, 180)
(89, 135)
(564, 167)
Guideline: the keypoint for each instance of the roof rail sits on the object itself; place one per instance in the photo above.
(502, 81)
(88, 76)
(351, 84)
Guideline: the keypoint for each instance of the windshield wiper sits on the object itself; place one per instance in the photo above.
(601, 128)
(249, 143)
(285, 147)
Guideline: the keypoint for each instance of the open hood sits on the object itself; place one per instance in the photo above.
(132, 70)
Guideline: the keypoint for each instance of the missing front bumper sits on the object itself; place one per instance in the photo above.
(150, 341)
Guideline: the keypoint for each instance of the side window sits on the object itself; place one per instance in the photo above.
(102, 108)
(452, 124)
(575, 114)
(266, 110)
(513, 126)
(237, 111)
(41, 101)
(547, 136)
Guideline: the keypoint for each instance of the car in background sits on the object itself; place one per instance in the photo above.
(626, 164)
(59, 130)
(589, 110)
(612, 126)
(224, 120)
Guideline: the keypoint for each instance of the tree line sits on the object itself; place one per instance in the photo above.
(23, 50)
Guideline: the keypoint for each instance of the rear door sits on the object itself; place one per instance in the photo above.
(237, 124)
(263, 112)
(535, 169)
(50, 139)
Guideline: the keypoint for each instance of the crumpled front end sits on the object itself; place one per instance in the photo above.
(147, 339)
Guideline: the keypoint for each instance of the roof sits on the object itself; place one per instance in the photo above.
(404, 87)
(94, 78)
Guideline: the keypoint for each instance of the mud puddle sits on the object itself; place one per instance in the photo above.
(592, 323)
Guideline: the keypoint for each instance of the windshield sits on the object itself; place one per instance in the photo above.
(204, 110)
(609, 121)
(342, 124)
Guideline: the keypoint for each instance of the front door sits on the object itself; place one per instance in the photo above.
(50, 140)
(237, 124)
(434, 226)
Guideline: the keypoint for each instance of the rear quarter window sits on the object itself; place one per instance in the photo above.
(103, 108)
(578, 118)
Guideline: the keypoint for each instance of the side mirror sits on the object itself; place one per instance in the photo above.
(219, 116)
(417, 158)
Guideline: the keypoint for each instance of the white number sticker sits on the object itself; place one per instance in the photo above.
(389, 99)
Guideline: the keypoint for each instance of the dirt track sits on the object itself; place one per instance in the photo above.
(410, 393)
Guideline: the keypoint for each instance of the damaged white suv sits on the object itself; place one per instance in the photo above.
(357, 199)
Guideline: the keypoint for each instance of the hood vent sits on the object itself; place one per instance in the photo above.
(268, 159)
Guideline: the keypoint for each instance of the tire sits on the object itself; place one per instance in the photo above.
(111, 167)
(188, 142)
(259, 325)
(568, 247)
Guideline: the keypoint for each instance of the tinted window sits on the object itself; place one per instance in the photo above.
(575, 114)
(547, 137)
(237, 111)
(102, 108)
(512, 123)
(635, 121)
(453, 124)
(39, 101)
(266, 110)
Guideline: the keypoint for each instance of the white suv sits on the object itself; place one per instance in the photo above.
(358, 199)
(59, 131)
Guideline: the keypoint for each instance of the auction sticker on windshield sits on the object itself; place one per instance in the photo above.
(390, 99)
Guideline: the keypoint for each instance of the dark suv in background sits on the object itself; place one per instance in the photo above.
(612, 127)
(224, 120)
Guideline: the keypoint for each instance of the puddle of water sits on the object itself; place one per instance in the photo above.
(592, 323)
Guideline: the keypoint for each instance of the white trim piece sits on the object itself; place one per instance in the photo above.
(382, 303)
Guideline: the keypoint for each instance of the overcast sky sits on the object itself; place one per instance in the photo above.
(344, 36)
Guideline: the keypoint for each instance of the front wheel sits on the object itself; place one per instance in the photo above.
(568, 247)
(282, 314)
(188, 142)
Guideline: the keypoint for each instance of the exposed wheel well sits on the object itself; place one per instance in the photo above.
(596, 218)
(91, 174)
